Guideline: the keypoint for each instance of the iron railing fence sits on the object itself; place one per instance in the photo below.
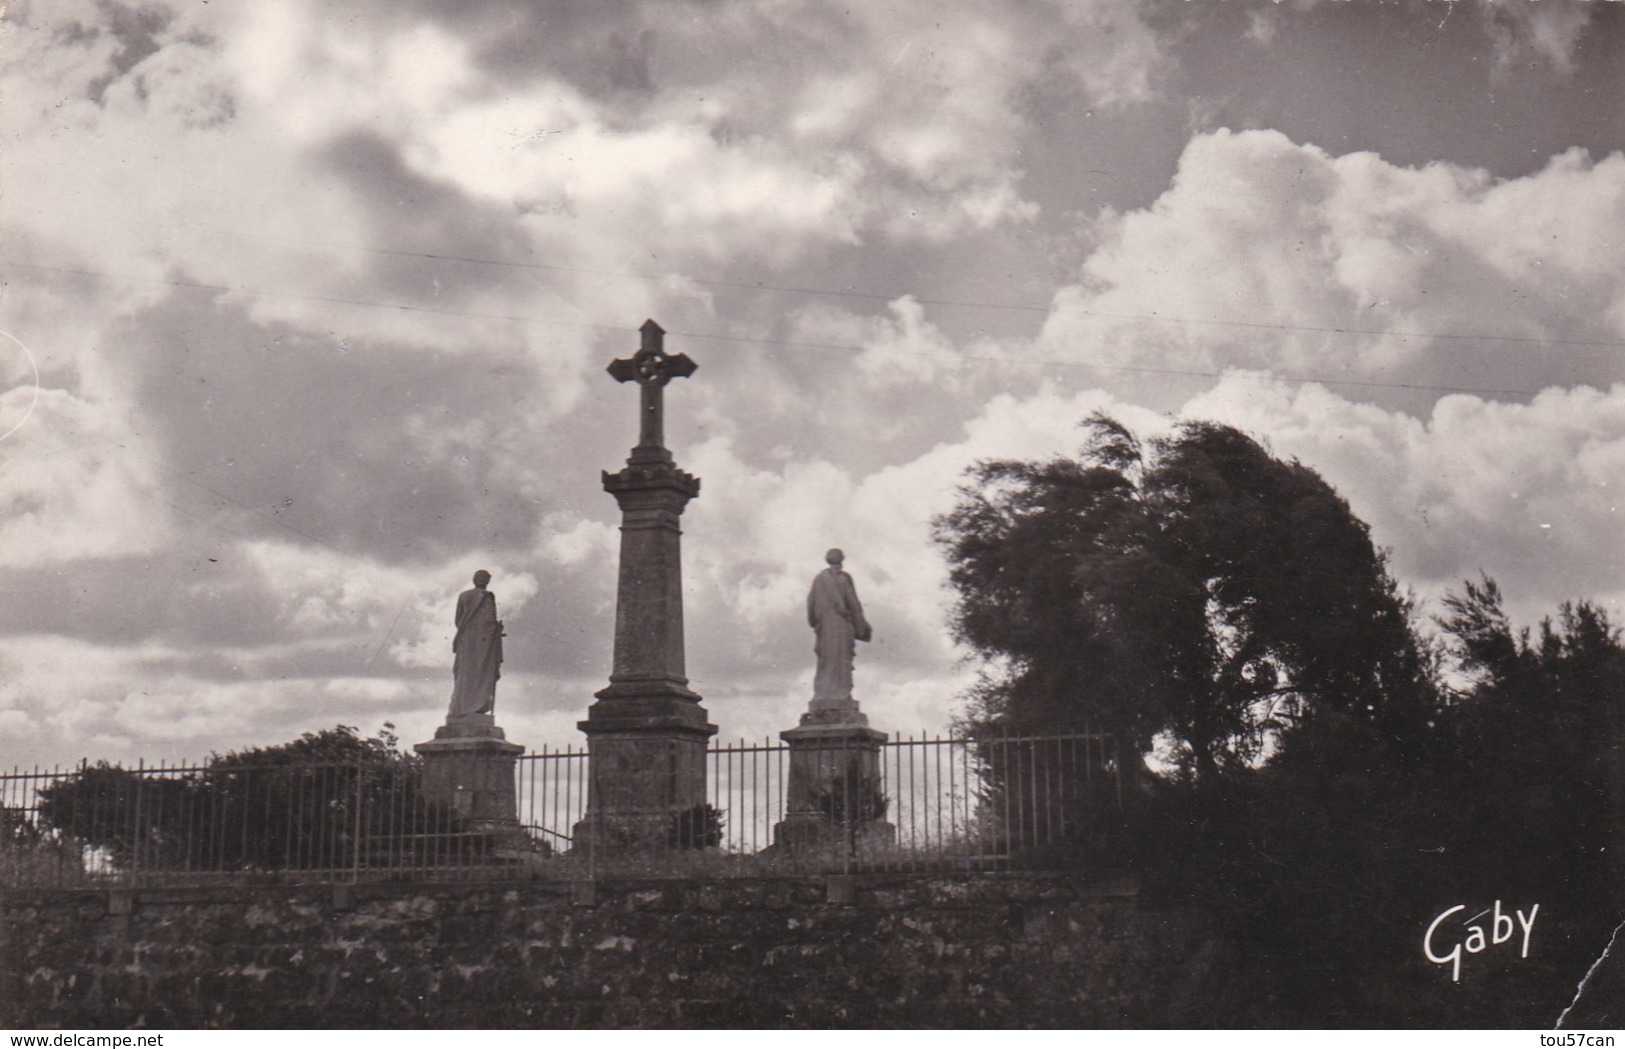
(917, 803)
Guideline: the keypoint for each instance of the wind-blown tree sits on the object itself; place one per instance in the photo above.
(1198, 589)
(1536, 733)
(1192, 587)
(1521, 802)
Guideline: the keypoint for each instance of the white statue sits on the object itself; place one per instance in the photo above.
(836, 616)
(477, 650)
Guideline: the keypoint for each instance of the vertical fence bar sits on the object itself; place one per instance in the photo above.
(1117, 769)
(956, 783)
(717, 790)
(582, 768)
(782, 777)
(358, 839)
(529, 768)
(572, 786)
(549, 807)
(899, 819)
(1033, 815)
(291, 840)
(384, 832)
(551, 791)
(190, 827)
(135, 830)
(844, 806)
(210, 810)
(1047, 774)
(566, 771)
(1009, 787)
(157, 817)
(936, 759)
(910, 794)
(294, 846)
(1079, 817)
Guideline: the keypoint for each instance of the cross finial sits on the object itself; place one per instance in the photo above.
(652, 368)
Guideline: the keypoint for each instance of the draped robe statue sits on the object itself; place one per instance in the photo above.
(836, 616)
(477, 650)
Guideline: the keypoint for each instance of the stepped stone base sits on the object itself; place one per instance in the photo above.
(469, 768)
(646, 768)
(833, 798)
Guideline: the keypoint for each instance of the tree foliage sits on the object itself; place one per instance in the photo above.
(1341, 781)
(1326, 867)
(1193, 586)
(1536, 734)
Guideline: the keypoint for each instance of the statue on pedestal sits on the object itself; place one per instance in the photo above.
(836, 616)
(468, 768)
(477, 650)
(835, 800)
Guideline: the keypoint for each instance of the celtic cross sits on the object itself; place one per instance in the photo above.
(652, 368)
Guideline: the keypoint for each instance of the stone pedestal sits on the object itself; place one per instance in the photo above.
(834, 797)
(646, 776)
(469, 769)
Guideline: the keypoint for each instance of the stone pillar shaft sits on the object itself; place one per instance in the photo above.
(649, 594)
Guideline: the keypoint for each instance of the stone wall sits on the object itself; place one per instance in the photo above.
(974, 950)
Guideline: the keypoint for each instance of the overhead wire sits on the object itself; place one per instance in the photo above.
(762, 340)
(869, 296)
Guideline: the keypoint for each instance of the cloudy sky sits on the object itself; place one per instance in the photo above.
(307, 309)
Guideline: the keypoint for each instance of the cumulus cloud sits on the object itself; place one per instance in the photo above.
(1528, 493)
(71, 488)
(1269, 254)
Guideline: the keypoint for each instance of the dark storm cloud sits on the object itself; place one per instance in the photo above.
(600, 46)
(306, 663)
(596, 56)
(1416, 83)
(566, 630)
(125, 601)
(408, 211)
(617, 50)
(357, 446)
(136, 29)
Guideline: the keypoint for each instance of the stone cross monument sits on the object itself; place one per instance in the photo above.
(647, 732)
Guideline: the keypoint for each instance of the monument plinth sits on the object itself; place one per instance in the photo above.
(647, 732)
(835, 796)
(468, 768)
(473, 776)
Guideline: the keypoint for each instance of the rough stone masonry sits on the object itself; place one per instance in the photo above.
(969, 950)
